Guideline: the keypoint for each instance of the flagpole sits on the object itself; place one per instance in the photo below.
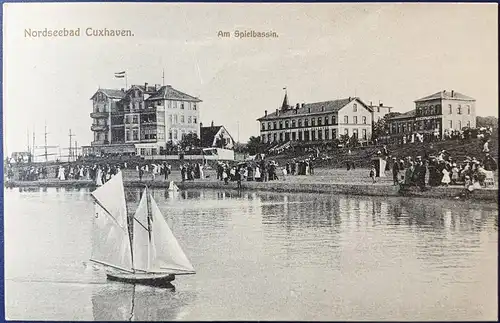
(126, 82)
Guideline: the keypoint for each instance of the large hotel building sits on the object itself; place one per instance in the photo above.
(141, 120)
(320, 121)
(434, 115)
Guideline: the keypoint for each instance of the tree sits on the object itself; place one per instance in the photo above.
(487, 122)
(381, 127)
(240, 148)
(190, 140)
(344, 139)
(255, 146)
(353, 141)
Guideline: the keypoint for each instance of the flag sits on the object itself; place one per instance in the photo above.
(120, 75)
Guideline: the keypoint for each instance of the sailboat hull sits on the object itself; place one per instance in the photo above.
(157, 280)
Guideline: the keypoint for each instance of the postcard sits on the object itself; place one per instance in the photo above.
(250, 161)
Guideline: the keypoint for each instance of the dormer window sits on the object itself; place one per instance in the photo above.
(355, 107)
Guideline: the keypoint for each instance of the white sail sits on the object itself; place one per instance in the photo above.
(172, 187)
(141, 244)
(167, 254)
(110, 234)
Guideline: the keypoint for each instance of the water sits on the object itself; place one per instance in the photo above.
(262, 256)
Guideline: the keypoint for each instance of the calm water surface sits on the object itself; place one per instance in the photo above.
(262, 256)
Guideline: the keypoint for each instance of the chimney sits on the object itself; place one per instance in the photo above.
(297, 106)
(452, 93)
(349, 98)
(371, 103)
(123, 90)
(265, 113)
(381, 104)
(212, 123)
(277, 112)
(145, 86)
(303, 104)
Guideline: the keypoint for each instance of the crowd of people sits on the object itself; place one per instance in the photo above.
(443, 170)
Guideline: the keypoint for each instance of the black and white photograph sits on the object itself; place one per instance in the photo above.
(250, 161)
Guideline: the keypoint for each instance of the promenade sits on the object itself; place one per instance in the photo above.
(331, 181)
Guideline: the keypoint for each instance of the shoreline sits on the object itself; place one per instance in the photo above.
(365, 189)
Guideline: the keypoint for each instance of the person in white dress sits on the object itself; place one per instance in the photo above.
(61, 174)
(98, 177)
(202, 175)
(446, 177)
(257, 174)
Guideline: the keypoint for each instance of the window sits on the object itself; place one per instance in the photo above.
(269, 124)
(459, 125)
(281, 125)
(346, 132)
(334, 133)
(450, 109)
(286, 124)
(355, 133)
(182, 105)
(320, 135)
(175, 119)
(274, 125)
(174, 104)
(355, 120)
(468, 109)
(450, 124)
(363, 132)
(431, 109)
(263, 124)
(135, 119)
(313, 122)
(364, 120)
(468, 124)
(175, 133)
(194, 106)
(355, 107)
(334, 120)
(135, 134)
(378, 109)
(170, 134)
(190, 120)
(306, 122)
(182, 119)
(346, 119)
(300, 123)
(194, 120)
(326, 122)
(268, 137)
(326, 134)
(319, 121)
(459, 109)
(137, 105)
(127, 135)
(293, 123)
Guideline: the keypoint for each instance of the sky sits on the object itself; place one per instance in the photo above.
(391, 53)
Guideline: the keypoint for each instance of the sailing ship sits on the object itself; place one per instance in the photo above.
(138, 250)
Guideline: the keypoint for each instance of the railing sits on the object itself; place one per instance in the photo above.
(99, 142)
(98, 127)
(99, 114)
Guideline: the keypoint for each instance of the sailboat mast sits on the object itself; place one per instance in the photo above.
(148, 204)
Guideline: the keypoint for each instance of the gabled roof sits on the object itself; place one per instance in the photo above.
(317, 107)
(208, 134)
(169, 93)
(110, 93)
(406, 115)
(446, 95)
(150, 89)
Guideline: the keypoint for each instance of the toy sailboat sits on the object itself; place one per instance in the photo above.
(151, 255)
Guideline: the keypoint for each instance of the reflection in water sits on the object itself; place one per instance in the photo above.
(265, 256)
(126, 302)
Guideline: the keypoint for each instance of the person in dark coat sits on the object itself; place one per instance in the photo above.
(395, 171)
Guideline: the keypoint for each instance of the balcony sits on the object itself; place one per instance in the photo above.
(99, 142)
(97, 115)
(98, 127)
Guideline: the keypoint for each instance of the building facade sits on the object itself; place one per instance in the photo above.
(216, 136)
(379, 111)
(436, 115)
(320, 121)
(142, 119)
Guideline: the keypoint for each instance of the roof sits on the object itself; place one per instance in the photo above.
(317, 107)
(446, 95)
(409, 114)
(150, 89)
(372, 107)
(111, 93)
(169, 93)
(207, 135)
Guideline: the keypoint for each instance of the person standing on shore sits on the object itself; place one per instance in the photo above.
(395, 171)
